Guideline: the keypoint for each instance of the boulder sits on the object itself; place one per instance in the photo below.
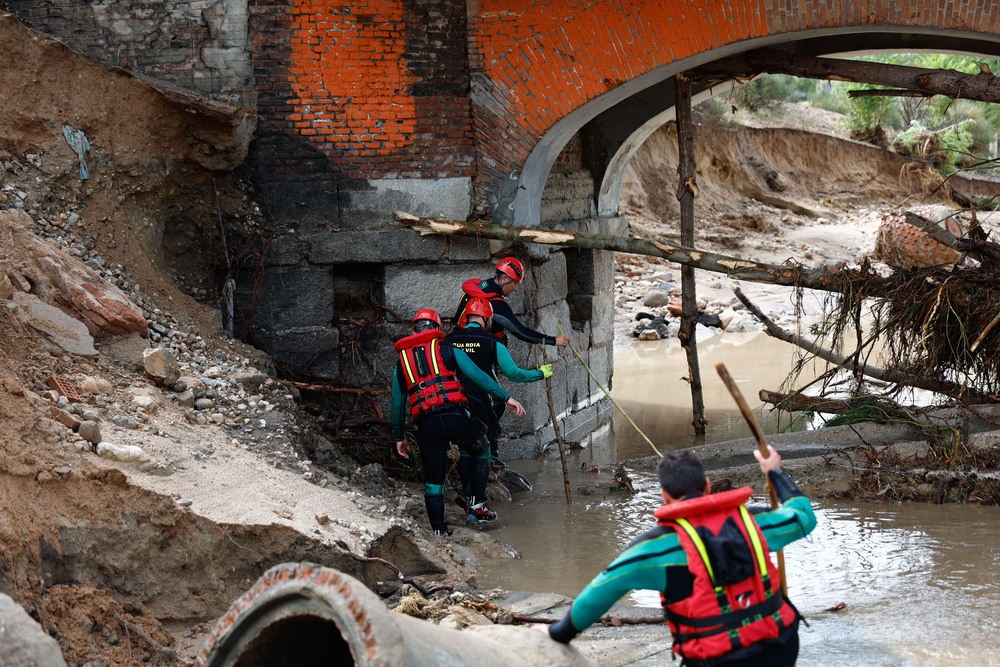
(23, 642)
(65, 281)
(655, 298)
(161, 366)
(90, 431)
(66, 332)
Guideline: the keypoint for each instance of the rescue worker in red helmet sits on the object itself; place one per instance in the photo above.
(708, 557)
(508, 276)
(427, 387)
(487, 353)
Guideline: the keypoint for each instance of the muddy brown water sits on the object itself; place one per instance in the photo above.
(920, 582)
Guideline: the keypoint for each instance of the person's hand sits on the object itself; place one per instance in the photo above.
(562, 340)
(543, 628)
(546, 370)
(771, 462)
(403, 447)
(515, 406)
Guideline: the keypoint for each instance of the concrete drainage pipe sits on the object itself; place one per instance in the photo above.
(305, 614)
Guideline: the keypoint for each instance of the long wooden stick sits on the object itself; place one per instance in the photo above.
(559, 440)
(758, 435)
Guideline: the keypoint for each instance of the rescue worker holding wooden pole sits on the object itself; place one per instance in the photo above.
(426, 377)
(508, 276)
(708, 557)
(488, 353)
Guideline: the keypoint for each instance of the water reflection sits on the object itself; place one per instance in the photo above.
(649, 384)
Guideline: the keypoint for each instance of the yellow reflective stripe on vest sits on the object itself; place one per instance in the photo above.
(758, 548)
(434, 357)
(404, 356)
(699, 545)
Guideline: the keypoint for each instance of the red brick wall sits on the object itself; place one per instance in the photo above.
(362, 89)
(535, 61)
(442, 88)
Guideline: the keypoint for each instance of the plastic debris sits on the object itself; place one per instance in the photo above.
(78, 141)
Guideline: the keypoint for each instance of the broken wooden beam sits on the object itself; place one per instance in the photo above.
(982, 87)
(827, 278)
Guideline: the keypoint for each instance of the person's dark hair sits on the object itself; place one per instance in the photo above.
(681, 473)
(498, 275)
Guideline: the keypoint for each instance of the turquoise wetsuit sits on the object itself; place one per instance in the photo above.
(655, 561)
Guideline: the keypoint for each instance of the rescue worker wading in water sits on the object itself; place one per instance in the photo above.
(488, 354)
(426, 382)
(509, 273)
(708, 557)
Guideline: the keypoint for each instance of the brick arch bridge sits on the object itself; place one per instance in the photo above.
(525, 111)
(535, 74)
(605, 69)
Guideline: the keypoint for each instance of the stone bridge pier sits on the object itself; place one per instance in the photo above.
(326, 274)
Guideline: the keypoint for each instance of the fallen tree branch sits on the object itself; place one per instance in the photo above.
(318, 386)
(983, 86)
(399, 575)
(932, 229)
(884, 92)
(952, 389)
(827, 278)
(797, 402)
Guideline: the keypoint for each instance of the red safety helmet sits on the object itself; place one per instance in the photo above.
(424, 317)
(511, 267)
(479, 306)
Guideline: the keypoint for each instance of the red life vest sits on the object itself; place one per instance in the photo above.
(736, 599)
(430, 384)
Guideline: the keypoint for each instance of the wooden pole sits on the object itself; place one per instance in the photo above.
(559, 440)
(758, 435)
(686, 192)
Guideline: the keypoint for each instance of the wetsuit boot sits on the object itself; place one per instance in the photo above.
(466, 471)
(435, 513)
(478, 511)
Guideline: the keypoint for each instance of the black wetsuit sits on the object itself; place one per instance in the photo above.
(504, 319)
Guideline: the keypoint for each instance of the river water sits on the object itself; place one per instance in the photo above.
(920, 582)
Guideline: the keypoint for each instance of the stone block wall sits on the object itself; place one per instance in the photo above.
(318, 284)
(198, 45)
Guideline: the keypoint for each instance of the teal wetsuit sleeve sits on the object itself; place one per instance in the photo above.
(398, 410)
(641, 566)
(792, 521)
(473, 374)
(512, 370)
